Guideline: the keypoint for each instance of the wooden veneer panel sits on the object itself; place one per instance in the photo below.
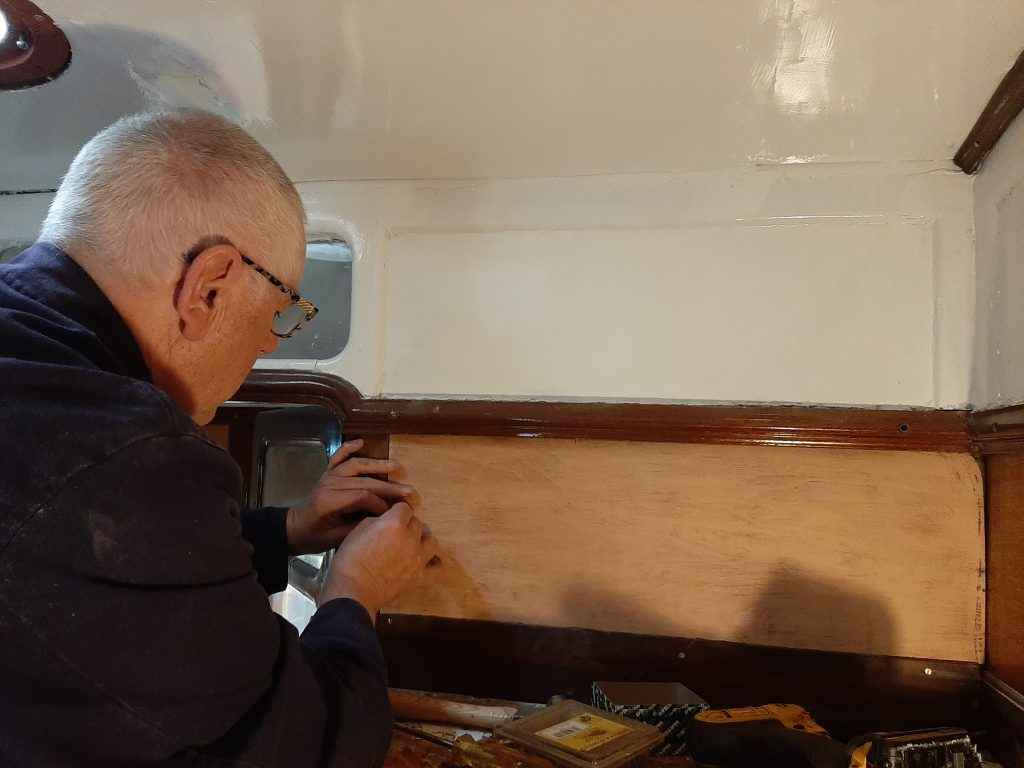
(1006, 568)
(873, 552)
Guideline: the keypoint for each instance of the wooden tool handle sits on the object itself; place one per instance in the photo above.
(411, 705)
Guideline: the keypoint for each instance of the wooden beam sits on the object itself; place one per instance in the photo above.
(1005, 104)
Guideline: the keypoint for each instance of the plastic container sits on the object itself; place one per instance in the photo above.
(574, 734)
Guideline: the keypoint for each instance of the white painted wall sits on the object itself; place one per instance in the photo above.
(841, 284)
(20, 217)
(837, 284)
(999, 215)
(668, 200)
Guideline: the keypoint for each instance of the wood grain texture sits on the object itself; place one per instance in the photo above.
(1005, 488)
(1005, 104)
(999, 435)
(856, 551)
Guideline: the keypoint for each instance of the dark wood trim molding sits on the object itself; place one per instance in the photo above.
(847, 693)
(286, 387)
(731, 425)
(999, 113)
(999, 430)
(911, 430)
(300, 388)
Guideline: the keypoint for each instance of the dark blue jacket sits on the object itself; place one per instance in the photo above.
(134, 629)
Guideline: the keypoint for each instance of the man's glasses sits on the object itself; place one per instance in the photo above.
(289, 321)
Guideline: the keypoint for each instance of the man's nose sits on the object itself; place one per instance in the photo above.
(270, 343)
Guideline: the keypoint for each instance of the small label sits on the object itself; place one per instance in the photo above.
(584, 732)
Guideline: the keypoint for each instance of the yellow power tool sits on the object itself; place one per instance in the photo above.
(786, 736)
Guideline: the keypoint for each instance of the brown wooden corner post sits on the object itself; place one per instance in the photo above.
(999, 436)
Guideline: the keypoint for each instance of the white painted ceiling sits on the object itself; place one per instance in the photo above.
(451, 89)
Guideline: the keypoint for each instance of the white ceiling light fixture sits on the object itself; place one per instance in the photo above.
(3, 26)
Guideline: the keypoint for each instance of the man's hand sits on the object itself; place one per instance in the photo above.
(341, 499)
(381, 559)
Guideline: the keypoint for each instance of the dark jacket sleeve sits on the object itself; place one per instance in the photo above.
(266, 531)
(148, 625)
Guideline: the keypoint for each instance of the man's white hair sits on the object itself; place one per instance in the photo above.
(153, 186)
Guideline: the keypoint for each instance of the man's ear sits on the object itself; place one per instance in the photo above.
(202, 294)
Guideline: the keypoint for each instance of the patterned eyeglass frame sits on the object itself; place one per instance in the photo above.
(307, 306)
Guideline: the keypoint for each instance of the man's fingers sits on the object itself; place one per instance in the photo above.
(369, 502)
(344, 462)
(428, 549)
(402, 511)
(351, 501)
(361, 465)
(346, 450)
(383, 488)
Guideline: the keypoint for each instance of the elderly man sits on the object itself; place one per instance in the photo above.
(134, 621)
